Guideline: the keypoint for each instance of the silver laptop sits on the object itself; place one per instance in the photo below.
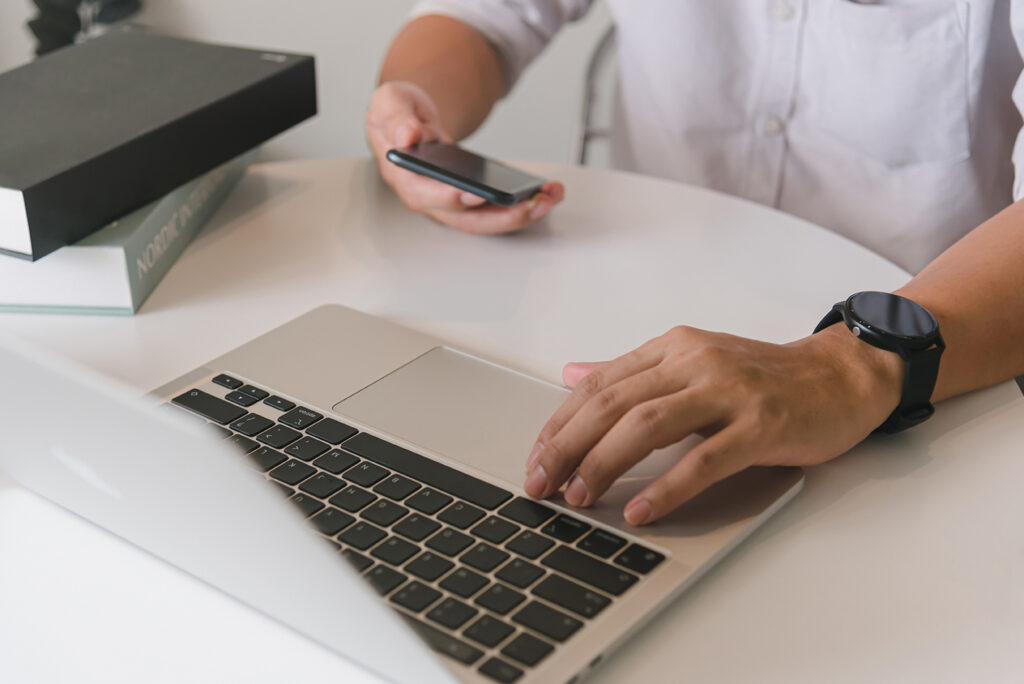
(382, 469)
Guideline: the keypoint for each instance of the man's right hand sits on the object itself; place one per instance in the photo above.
(402, 114)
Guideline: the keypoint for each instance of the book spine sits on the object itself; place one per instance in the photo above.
(67, 207)
(154, 247)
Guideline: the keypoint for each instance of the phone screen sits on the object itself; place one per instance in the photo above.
(451, 164)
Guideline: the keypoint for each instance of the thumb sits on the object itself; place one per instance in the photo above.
(408, 132)
(572, 373)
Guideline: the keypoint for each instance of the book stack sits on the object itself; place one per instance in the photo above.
(114, 152)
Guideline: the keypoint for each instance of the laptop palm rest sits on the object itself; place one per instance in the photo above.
(462, 408)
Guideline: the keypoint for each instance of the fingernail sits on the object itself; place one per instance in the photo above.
(539, 208)
(534, 453)
(468, 199)
(537, 482)
(638, 512)
(577, 493)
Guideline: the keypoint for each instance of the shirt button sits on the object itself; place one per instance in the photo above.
(772, 125)
(783, 10)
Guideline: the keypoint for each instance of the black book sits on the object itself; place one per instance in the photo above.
(91, 132)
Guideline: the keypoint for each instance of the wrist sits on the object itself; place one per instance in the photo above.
(874, 376)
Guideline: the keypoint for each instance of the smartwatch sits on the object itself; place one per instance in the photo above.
(897, 324)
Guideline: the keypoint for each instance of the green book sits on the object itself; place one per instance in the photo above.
(113, 270)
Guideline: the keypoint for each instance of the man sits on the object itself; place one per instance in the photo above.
(889, 123)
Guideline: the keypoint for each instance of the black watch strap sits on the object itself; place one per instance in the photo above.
(918, 382)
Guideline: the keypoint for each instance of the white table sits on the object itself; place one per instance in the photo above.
(901, 561)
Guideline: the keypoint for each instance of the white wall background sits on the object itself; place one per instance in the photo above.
(538, 120)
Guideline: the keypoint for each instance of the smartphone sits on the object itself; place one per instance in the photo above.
(487, 178)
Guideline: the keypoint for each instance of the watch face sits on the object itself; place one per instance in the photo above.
(892, 314)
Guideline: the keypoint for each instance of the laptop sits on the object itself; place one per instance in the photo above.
(380, 471)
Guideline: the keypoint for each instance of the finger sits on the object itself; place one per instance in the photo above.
(493, 219)
(566, 449)
(647, 426)
(607, 373)
(572, 373)
(717, 457)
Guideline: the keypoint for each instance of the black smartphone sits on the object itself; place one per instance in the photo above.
(487, 178)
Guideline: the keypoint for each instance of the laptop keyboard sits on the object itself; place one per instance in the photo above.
(493, 580)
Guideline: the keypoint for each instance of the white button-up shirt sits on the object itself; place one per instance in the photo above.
(890, 122)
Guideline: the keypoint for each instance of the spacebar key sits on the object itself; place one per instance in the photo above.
(427, 471)
(217, 410)
(442, 643)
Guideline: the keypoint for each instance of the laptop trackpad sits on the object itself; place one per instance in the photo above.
(460, 407)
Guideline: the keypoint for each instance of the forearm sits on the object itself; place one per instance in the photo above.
(976, 291)
(454, 64)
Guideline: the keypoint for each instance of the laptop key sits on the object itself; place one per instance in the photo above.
(266, 458)
(362, 535)
(596, 573)
(352, 498)
(520, 573)
(499, 599)
(547, 621)
(639, 559)
(602, 543)
(416, 527)
(331, 521)
(227, 381)
(209, 406)
(321, 485)
(365, 474)
(429, 566)
(293, 472)
(396, 487)
(300, 417)
(495, 530)
(254, 392)
(442, 642)
(449, 542)
(529, 513)
(279, 436)
(415, 596)
(243, 443)
(307, 448)
(332, 431)
(461, 515)
(384, 512)
(279, 403)
(241, 399)
(464, 582)
(287, 491)
(427, 471)
(335, 461)
(428, 501)
(251, 424)
(500, 671)
(219, 430)
(568, 594)
(566, 529)
(452, 613)
(489, 631)
(384, 579)
(527, 649)
(529, 544)
(307, 504)
(484, 557)
(395, 551)
(358, 560)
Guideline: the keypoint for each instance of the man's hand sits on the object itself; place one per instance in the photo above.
(402, 114)
(755, 403)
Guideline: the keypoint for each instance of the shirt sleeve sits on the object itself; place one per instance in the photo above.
(1017, 26)
(518, 30)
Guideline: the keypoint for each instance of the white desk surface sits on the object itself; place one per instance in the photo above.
(901, 561)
